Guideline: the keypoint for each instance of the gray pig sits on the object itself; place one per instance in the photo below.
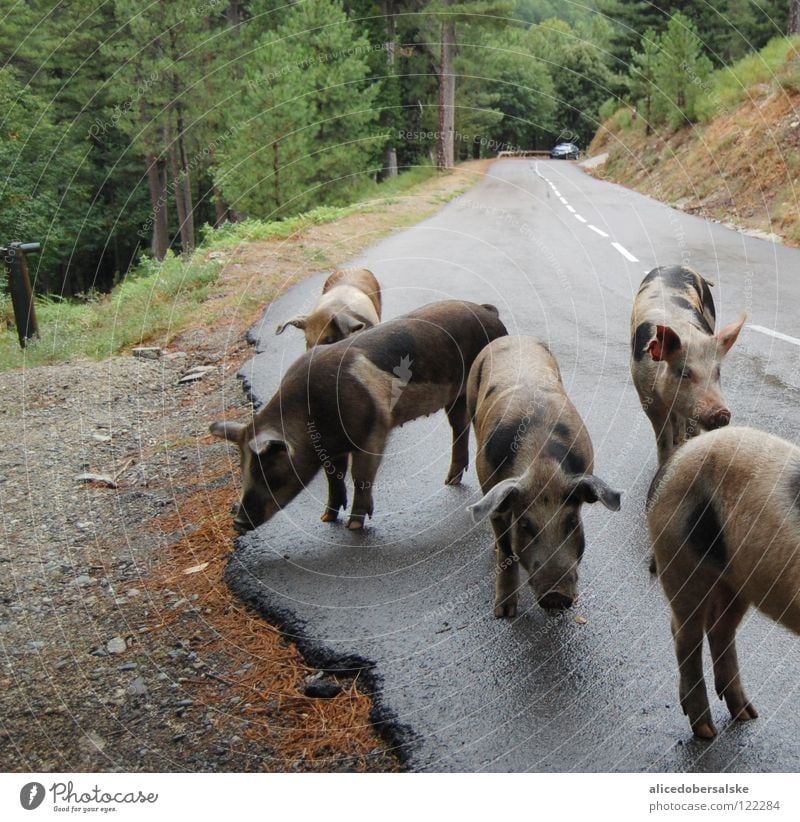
(535, 463)
(725, 524)
(675, 356)
(344, 399)
(350, 302)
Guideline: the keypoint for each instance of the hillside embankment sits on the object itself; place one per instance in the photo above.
(740, 164)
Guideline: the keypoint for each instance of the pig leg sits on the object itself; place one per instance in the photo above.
(724, 615)
(662, 426)
(506, 570)
(364, 468)
(459, 422)
(688, 618)
(337, 489)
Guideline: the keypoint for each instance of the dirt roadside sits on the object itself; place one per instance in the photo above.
(122, 648)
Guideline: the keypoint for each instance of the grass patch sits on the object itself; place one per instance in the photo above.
(152, 300)
(734, 84)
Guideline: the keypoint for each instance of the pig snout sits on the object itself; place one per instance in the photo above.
(555, 601)
(717, 418)
(720, 418)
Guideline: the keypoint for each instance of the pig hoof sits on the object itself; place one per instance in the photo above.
(652, 566)
(454, 478)
(329, 515)
(355, 523)
(705, 730)
(506, 610)
(745, 713)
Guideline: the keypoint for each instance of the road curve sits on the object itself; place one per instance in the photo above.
(410, 601)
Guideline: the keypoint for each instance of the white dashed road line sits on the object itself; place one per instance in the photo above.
(625, 253)
(777, 334)
(628, 256)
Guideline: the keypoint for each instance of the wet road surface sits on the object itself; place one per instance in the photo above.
(410, 600)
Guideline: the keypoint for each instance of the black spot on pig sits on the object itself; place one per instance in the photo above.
(706, 536)
(571, 462)
(697, 314)
(562, 432)
(641, 339)
(498, 447)
(708, 301)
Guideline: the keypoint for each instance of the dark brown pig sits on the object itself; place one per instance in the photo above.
(343, 400)
(724, 518)
(350, 302)
(675, 356)
(535, 463)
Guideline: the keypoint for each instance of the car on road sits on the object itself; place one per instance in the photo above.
(565, 151)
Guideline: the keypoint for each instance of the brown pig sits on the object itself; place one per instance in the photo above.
(350, 302)
(535, 463)
(675, 356)
(724, 519)
(342, 400)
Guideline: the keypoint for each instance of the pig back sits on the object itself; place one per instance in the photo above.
(522, 413)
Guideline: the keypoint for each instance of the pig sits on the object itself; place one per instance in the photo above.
(675, 356)
(350, 302)
(534, 463)
(343, 399)
(724, 519)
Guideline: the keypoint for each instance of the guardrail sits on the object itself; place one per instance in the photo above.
(525, 153)
(19, 284)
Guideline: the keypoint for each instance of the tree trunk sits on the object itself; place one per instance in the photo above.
(794, 18)
(157, 183)
(447, 95)
(221, 210)
(390, 154)
(187, 227)
(177, 191)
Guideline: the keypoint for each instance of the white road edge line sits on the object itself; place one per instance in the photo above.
(625, 253)
(578, 217)
(597, 230)
(777, 334)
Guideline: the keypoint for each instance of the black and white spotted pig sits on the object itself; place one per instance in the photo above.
(534, 463)
(724, 518)
(675, 356)
(343, 399)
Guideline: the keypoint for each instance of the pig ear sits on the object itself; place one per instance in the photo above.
(348, 325)
(728, 335)
(497, 500)
(298, 322)
(264, 444)
(590, 488)
(231, 431)
(665, 345)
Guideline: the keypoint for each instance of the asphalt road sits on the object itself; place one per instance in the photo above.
(410, 600)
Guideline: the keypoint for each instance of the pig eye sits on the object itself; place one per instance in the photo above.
(686, 373)
(527, 527)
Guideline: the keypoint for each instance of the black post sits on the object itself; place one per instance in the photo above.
(19, 284)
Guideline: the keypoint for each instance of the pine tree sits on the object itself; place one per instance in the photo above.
(642, 76)
(681, 70)
(306, 119)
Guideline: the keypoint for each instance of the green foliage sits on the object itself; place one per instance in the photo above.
(731, 85)
(305, 118)
(157, 297)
